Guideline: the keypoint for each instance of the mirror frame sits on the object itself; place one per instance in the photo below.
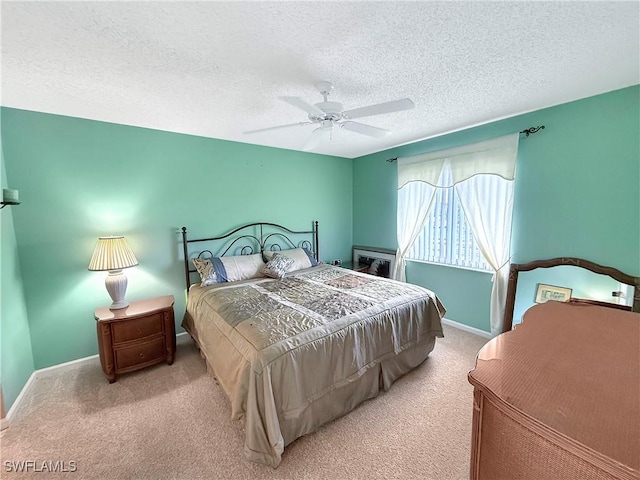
(556, 262)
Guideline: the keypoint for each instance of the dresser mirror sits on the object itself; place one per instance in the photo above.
(568, 279)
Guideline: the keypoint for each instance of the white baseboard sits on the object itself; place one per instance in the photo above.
(42, 372)
(467, 328)
(78, 361)
(20, 397)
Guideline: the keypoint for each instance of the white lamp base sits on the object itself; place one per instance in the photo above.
(116, 283)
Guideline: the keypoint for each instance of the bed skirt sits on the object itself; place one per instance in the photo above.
(334, 404)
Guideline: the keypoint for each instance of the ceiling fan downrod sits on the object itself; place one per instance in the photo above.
(325, 88)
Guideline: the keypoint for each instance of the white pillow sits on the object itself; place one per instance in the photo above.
(302, 257)
(229, 269)
(240, 267)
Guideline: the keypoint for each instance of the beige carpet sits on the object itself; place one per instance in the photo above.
(174, 422)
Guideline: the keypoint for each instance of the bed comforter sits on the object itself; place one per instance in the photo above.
(295, 353)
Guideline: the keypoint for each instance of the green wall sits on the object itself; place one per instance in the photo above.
(464, 293)
(81, 179)
(577, 194)
(16, 357)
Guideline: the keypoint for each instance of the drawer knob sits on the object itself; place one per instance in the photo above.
(142, 355)
(139, 331)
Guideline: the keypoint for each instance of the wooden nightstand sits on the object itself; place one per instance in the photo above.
(137, 336)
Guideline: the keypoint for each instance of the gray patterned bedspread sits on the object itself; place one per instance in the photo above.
(294, 353)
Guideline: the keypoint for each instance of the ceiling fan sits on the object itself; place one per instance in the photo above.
(328, 115)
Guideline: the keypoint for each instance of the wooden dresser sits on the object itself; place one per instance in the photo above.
(137, 336)
(558, 397)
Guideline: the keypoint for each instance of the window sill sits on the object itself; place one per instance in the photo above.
(488, 272)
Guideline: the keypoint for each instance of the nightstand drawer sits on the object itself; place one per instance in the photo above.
(138, 354)
(136, 329)
(137, 336)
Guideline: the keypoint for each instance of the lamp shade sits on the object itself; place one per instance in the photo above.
(112, 253)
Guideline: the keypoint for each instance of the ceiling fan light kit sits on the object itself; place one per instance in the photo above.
(328, 114)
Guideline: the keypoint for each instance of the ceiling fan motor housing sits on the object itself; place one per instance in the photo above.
(332, 111)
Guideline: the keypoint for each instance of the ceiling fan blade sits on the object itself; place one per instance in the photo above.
(365, 129)
(315, 138)
(303, 105)
(277, 127)
(379, 108)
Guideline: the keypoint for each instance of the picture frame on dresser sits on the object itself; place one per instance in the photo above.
(379, 261)
(546, 292)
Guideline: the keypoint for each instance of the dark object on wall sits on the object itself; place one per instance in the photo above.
(379, 261)
(532, 130)
(9, 197)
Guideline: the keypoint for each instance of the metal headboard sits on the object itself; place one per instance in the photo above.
(266, 237)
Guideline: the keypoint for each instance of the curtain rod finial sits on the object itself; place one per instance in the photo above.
(532, 130)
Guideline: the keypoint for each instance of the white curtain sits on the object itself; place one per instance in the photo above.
(490, 222)
(417, 180)
(476, 169)
(415, 199)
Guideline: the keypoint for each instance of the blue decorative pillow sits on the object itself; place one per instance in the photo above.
(207, 272)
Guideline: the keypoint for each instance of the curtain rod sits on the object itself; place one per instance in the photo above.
(526, 132)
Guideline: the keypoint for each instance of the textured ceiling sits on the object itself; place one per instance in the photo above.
(216, 69)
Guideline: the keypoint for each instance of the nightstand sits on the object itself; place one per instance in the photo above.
(137, 336)
(357, 268)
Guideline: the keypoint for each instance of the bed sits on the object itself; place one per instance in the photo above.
(297, 351)
(559, 395)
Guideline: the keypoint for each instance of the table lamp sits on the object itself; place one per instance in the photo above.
(112, 254)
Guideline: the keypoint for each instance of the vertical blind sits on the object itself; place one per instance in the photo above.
(447, 237)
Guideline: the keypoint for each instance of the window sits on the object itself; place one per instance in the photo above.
(445, 195)
(446, 237)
